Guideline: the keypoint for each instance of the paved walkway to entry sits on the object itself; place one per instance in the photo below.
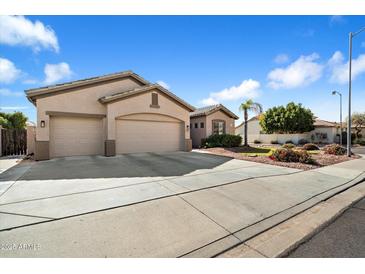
(155, 205)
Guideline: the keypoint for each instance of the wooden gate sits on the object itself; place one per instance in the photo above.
(13, 142)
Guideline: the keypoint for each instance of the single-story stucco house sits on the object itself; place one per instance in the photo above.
(215, 119)
(324, 132)
(108, 115)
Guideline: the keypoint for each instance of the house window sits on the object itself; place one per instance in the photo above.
(154, 100)
(202, 125)
(219, 127)
(196, 125)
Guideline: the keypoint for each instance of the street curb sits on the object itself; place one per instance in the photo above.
(283, 238)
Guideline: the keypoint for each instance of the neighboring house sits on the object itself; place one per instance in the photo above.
(108, 115)
(216, 119)
(324, 132)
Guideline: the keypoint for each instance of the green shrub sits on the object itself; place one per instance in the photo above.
(334, 149)
(290, 155)
(361, 142)
(310, 146)
(288, 146)
(289, 142)
(222, 140)
(274, 142)
(257, 142)
(302, 142)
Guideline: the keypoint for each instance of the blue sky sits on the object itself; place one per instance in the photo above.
(202, 59)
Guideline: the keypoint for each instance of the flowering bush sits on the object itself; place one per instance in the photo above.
(290, 155)
(334, 149)
(288, 145)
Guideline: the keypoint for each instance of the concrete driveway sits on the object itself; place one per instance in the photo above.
(153, 204)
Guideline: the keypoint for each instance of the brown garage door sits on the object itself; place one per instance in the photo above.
(71, 136)
(148, 136)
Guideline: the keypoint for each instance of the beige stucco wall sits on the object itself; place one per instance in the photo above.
(330, 131)
(219, 115)
(83, 100)
(141, 104)
(253, 130)
(197, 134)
(254, 133)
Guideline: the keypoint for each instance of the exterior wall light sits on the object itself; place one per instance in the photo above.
(43, 123)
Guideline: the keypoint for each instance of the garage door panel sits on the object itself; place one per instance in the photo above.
(148, 136)
(71, 136)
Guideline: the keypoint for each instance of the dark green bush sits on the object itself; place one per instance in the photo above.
(334, 149)
(361, 142)
(257, 142)
(310, 146)
(302, 142)
(289, 145)
(289, 142)
(222, 140)
(274, 142)
(290, 155)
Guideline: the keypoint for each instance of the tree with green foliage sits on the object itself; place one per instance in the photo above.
(16, 120)
(292, 118)
(247, 106)
(358, 122)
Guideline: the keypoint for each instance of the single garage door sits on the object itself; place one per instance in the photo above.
(70, 136)
(148, 136)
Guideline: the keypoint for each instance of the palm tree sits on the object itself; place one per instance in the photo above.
(247, 106)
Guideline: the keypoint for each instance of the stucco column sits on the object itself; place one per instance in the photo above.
(41, 149)
(110, 133)
(188, 142)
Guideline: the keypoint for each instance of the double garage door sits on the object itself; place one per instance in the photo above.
(70, 136)
(148, 136)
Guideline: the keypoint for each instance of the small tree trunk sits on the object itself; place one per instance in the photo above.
(246, 118)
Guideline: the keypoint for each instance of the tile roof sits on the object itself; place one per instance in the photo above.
(125, 94)
(210, 109)
(324, 123)
(252, 118)
(31, 93)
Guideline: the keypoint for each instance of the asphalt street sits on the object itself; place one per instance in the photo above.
(344, 238)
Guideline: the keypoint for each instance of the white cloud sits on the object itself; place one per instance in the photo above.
(209, 101)
(30, 81)
(56, 72)
(302, 72)
(18, 30)
(163, 84)
(8, 72)
(13, 108)
(337, 19)
(247, 89)
(340, 69)
(281, 58)
(7, 92)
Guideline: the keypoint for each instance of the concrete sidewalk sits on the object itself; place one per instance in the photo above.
(197, 215)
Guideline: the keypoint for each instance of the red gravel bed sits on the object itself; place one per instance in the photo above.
(321, 158)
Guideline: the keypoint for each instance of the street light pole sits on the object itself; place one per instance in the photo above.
(351, 35)
(340, 94)
(349, 107)
(341, 119)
